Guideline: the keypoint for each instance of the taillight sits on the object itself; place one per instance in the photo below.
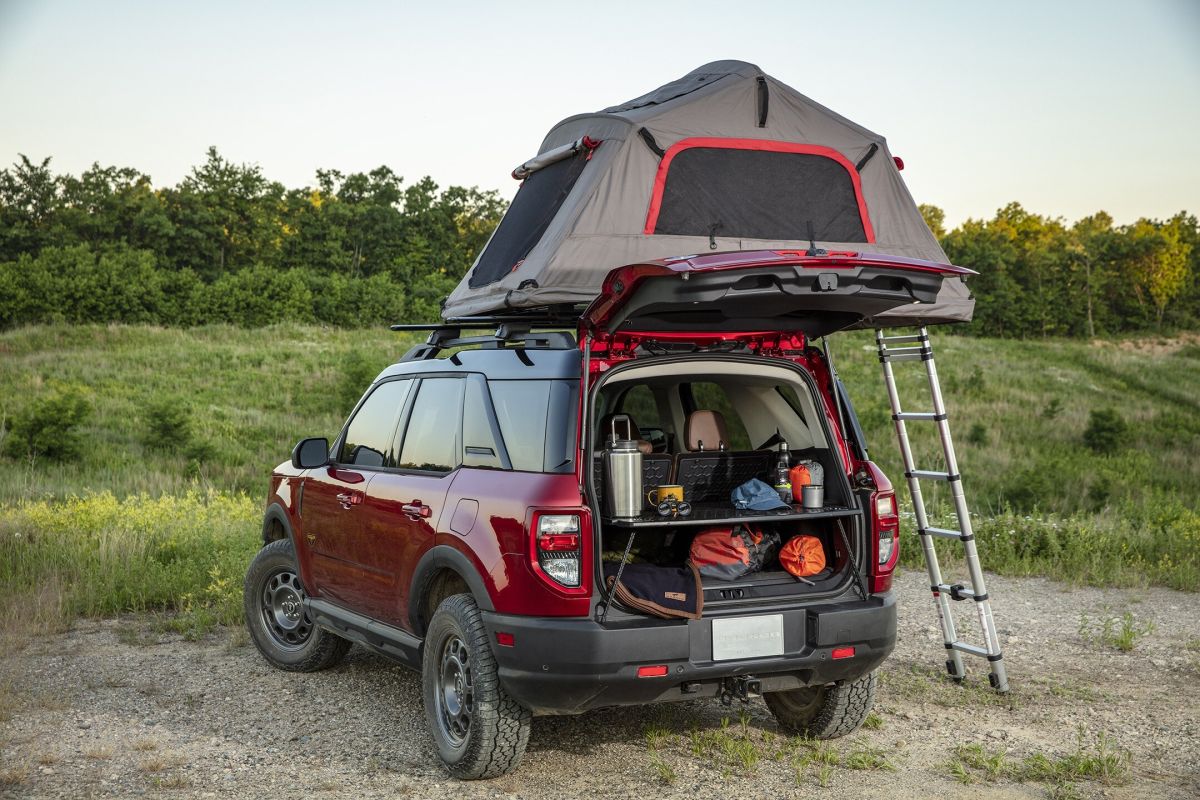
(885, 521)
(558, 548)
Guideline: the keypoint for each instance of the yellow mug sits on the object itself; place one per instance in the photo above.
(662, 494)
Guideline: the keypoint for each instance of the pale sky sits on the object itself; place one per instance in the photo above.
(1067, 107)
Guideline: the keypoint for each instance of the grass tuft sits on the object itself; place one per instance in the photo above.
(1121, 632)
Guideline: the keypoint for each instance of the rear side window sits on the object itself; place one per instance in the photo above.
(758, 190)
(537, 423)
(431, 439)
(368, 441)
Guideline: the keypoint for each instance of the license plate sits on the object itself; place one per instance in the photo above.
(747, 637)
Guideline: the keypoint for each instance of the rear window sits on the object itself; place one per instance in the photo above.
(537, 423)
(758, 190)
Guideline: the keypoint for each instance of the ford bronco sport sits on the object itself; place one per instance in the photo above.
(457, 523)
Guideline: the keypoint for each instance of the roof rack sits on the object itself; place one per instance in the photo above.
(516, 328)
(542, 318)
(447, 336)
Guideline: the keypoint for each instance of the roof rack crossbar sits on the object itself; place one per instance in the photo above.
(450, 336)
(546, 317)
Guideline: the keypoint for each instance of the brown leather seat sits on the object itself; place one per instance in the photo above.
(604, 430)
(705, 430)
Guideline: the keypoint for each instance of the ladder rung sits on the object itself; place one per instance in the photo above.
(903, 339)
(906, 354)
(958, 591)
(974, 650)
(944, 533)
(919, 416)
(932, 475)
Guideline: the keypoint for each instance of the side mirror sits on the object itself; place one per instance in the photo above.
(310, 454)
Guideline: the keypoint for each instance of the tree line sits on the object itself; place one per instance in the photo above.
(355, 249)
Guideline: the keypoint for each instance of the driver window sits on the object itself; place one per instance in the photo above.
(368, 441)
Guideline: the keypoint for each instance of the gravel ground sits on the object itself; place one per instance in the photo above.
(113, 709)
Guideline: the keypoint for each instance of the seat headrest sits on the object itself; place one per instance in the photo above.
(706, 431)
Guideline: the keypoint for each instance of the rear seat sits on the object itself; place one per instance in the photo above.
(710, 472)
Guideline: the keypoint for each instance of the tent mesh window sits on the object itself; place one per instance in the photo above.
(759, 194)
(536, 203)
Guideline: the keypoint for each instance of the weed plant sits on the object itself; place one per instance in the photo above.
(98, 556)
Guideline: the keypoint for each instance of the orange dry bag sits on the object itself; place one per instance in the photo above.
(803, 556)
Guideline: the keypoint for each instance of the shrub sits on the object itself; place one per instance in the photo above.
(1052, 409)
(357, 373)
(48, 427)
(168, 426)
(978, 435)
(1106, 431)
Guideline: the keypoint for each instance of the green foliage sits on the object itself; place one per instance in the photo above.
(48, 426)
(1106, 431)
(100, 556)
(168, 425)
(228, 245)
(1120, 632)
(1041, 277)
(357, 372)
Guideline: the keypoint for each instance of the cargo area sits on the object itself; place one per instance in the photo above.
(707, 427)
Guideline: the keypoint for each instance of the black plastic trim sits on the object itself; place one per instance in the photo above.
(384, 639)
(443, 556)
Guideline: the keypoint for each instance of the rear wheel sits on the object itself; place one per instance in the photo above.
(479, 731)
(279, 624)
(824, 712)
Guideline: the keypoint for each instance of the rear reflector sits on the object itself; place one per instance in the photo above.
(657, 671)
(505, 639)
(842, 652)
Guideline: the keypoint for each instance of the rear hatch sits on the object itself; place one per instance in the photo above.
(791, 291)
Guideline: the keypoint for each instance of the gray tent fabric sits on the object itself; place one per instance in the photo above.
(704, 163)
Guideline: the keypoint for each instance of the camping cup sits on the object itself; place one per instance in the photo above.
(813, 496)
(662, 494)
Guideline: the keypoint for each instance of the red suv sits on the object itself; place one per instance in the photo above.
(458, 522)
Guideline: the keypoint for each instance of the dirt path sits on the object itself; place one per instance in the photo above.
(112, 709)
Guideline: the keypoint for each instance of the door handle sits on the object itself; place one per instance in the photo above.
(416, 509)
(348, 499)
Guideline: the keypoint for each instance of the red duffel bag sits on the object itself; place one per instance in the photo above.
(729, 553)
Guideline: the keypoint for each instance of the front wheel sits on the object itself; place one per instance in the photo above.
(824, 712)
(278, 622)
(479, 731)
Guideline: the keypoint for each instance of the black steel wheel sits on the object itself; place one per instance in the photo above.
(283, 609)
(276, 616)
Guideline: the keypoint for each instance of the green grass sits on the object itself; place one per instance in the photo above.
(1044, 503)
(98, 556)
(1100, 761)
(250, 396)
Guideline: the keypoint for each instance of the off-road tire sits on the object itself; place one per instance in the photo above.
(273, 571)
(824, 712)
(498, 726)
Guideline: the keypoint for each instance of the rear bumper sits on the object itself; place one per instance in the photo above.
(566, 666)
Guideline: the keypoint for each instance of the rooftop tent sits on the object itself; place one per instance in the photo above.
(725, 158)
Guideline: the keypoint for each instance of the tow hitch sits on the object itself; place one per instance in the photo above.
(740, 687)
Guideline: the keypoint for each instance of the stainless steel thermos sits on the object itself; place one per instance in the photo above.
(623, 471)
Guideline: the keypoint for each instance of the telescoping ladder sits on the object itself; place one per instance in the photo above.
(918, 348)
